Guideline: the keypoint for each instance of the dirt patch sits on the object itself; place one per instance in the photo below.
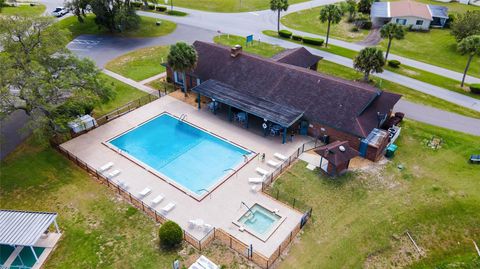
(190, 98)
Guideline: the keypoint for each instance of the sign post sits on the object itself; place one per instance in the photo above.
(249, 40)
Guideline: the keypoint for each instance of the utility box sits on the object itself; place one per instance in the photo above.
(391, 150)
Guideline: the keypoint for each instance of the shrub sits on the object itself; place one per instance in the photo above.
(367, 25)
(176, 13)
(475, 88)
(151, 7)
(161, 8)
(355, 29)
(297, 37)
(170, 234)
(285, 33)
(313, 41)
(136, 4)
(363, 23)
(394, 63)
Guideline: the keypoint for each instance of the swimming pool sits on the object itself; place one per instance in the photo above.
(188, 156)
(260, 221)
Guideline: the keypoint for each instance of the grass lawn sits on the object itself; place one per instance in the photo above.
(359, 219)
(140, 64)
(437, 47)
(308, 21)
(228, 5)
(409, 94)
(260, 48)
(24, 10)
(148, 28)
(421, 75)
(124, 93)
(162, 85)
(100, 230)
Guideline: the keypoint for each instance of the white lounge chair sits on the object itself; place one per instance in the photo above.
(256, 180)
(254, 189)
(280, 156)
(145, 192)
(273, 163)
(122, 183)
(114, 173)
(262, 171)
(157, 199)
(168, 207)
(105, 167)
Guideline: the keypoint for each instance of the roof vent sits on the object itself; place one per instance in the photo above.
(235, 51)
(341, 148)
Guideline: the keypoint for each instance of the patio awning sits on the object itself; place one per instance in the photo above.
(23, 228)
(262, 108)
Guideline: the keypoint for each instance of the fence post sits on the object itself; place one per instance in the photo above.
(294, 200)
(277, 193)
(130, 195)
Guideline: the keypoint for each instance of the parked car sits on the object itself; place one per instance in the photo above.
(59, 12)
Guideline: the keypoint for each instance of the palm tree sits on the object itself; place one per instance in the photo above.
(391, 31)
(471, 46)
(331, 14)
(369, 60)
(279, 6)
(182, 58)
(351, 8)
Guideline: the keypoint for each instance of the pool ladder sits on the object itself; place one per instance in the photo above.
(183, 117)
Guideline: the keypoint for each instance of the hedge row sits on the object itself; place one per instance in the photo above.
(475, 88)
(394, 63)
(159, 9)
(305, 39)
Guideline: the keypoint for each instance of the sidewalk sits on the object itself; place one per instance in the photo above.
(130, 82)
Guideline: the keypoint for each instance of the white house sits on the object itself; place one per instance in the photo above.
(409, 13)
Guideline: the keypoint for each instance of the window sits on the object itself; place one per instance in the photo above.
(401, 21)
(419, 22)
(178, 77)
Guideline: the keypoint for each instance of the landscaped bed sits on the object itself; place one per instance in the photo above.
(361, 218)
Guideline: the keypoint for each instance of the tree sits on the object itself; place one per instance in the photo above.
(170, 234)
(364, 6)
(40, 76)
(2, 4)
(351, 8)
(369, 60)
(391, 31)
(279, 6)
(466, 25)
(471, 46)
(182, 58)
(331, 14)
(115, 15)
(78, 8)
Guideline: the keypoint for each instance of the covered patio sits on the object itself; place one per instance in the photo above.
(25, 238)
(277, 118)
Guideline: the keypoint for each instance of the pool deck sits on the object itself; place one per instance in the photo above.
(221, 207)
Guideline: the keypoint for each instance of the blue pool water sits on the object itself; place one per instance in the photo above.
(187, 155)
(261, 221)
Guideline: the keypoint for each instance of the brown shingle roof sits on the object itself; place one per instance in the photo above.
(410, 9)
(331, 101)
(334, 155)
(299, 57)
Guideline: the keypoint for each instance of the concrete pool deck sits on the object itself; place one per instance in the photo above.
(221, 207)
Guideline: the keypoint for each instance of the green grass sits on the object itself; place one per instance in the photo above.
(421, 75)
(437, 47)
(123, 94)
(228, 5)
(308, 21)
(408, 94)
(147, 28)
(140, 64)
(24, 10)
(359, 219)
(260, 48)
(99, 229)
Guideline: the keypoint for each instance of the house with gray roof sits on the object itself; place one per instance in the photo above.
(419, 16)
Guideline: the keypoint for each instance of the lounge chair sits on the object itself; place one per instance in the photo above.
(105, 167)
(273, 163)
(280, 156)
(157, 199)
(114, 173)
(145, 192)
(262, 171)
(168, 207)
(256, 179)
(122, 184)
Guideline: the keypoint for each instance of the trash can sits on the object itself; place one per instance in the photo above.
(391, 150)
